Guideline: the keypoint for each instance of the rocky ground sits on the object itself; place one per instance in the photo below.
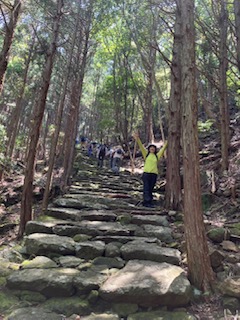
(98, 254)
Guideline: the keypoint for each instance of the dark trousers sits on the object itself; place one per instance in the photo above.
(149, 181)
(100, 161)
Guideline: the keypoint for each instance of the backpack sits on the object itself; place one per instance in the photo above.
(102, 152)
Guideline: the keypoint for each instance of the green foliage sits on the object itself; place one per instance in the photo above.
(3, 138)
(205, 126)
(16, 65)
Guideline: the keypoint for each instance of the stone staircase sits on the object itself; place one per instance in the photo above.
(98, 254)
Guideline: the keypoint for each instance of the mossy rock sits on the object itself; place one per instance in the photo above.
(8, 301)
(81, 237)
(45, 218)
(93, 297)
(236, 226)
(124, 219)
(124, 309)
(30, 296)
(68, 306)
(3, 281)
(231, 303)
(6, 267)
(235, 231)
(207, 201)
(217, 235)
(162, 315)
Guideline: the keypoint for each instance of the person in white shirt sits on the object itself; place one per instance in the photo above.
(117, 157)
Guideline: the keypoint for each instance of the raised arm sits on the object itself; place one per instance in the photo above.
(141, 146)
(162, 150)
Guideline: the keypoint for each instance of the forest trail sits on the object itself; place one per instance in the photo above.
(99, 254)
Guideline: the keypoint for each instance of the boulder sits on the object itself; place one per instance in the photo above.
(51, 283)
(102, 316)
(217, 235)
(90, 249)
(89, 280)
(162, 315)
(156, 220)
(148, 284)
(40, 262)
(231, 287)
(33, 314)
(154, 252)
(162, 233)
(43, 244)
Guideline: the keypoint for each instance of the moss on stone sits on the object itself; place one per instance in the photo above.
(30, 296)
(124, 309)
(162, 315)
(45, 218)
(124, 219)
(3, 281)
(68, 306)
(7, 301)
(93, 296)
(81, 237)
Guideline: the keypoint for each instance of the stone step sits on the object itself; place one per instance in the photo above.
(140, 248)
(101, 255)
(103, 228)
(144, 283)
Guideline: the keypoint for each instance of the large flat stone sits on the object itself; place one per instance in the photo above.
(162, 233)
(90, 249)
(33, 314)
(148, 284)
(64, 213)
(43, 244)
(154, 252)
(151, 219)
(51, 282)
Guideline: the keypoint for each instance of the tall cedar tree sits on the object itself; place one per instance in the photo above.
(224, 109)
(173, 187)
(237, 28)
(199, 267)
(9, 29)
(26, 201)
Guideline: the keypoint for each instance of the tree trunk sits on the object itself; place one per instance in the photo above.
(7, 43)
(173, 186)
(76, 95)
(237, 26)
(224, 110)
(162, 102)
(148, 108)
(26, 201)
(116, 98)
(59, 120)
(199, 267)
(15, 117)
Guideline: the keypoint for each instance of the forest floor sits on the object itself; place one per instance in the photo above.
(224, 187)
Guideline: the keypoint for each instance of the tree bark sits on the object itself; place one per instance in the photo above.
(199, 267)
(15, 117)
(8, 39)
(224, 110)
(237, 27)
(26, 201)
(173, 186)
(76, 95)
(59, 120)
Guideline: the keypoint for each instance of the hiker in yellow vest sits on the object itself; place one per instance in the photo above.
(150, 170)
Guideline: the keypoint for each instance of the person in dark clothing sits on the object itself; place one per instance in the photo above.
(101, 155)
